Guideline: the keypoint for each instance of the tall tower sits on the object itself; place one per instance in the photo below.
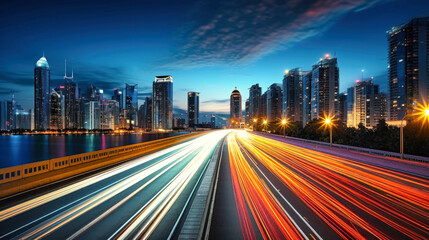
(274, 102)
(408, 66)
(193, 108)
(254, 102)
(235, 107)
(162, 102)
(292, 95)
(41, 94)
(71, 101)
(131, 104)
(325, 88)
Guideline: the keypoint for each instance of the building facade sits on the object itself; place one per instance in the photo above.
(193, 108)
(324, 88)
(131, 104)
(274, 102)
(408, 66)
(235, 108)
(92, 115)
(41, 94)
(293, 95)
(255, 101)
(56, 117)
(162, 102)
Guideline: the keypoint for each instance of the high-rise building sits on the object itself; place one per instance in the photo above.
(235, 107)
(247, 112)
(41, 94)
(368, 105)
(193, 108)
(263, 108)
(306, 99)
(57, 111)
(255, 101)
(71, 98)
(109, 114)
(147, 122)
(325, 88)
(342, 105)
(23, 119)
(92, 115)
(118, 96)
(293, 95)
(274, 102)
(131, 104)
(408, 66)
(162, 102)
(7, 115)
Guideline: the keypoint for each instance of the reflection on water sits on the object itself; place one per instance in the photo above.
(21, 149)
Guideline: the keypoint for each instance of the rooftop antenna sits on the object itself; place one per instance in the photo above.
(65, 68)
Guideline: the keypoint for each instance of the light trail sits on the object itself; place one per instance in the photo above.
(180, 163)
(339, 191)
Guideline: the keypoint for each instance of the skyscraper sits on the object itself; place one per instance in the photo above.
(193, 108)
(71, 97)
(306, 100)
(162, 102)
(56, 118)
(274, 102)
(325, 88)
(247, 112)
(292, 95)
(147, 122)
(118, 96)
(263, 108)
(368, 105)
(131, 104)
(254, 101)
(92, 115)
(41, 94)
(7, 115)
(408, 66)
(109, 114)
(235, 107)
(342, 105)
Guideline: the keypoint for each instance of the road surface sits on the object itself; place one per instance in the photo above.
(142, 198)
(273, 189)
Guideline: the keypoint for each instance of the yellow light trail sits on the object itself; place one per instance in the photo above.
(333, 187)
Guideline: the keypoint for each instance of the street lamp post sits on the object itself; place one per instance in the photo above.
(284, 122)
(329, 123)
(254, 123)
(265, 124)
(422, 113)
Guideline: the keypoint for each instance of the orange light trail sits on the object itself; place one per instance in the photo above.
(339, 190)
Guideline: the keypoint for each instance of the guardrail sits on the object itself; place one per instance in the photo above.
(11, 174)
(360, 149)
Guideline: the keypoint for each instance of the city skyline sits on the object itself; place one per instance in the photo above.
(117, 65)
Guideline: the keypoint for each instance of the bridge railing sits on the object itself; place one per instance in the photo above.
(11, 174)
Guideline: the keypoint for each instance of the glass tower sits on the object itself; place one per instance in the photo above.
(162, 102)
(41, 95)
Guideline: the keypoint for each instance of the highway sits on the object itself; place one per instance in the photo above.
(271, 189)
(141, 198)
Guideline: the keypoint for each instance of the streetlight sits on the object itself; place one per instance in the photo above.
(284, 122)
(328, 122)
(254, 123)
(265, 124)
(422, 113)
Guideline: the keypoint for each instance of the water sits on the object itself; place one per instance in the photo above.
(21, 149)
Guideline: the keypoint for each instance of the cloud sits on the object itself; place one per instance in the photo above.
(18, 78)
(143, 95)
(235, 31)
(217, 101)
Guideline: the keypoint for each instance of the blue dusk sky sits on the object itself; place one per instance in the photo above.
(208, 46)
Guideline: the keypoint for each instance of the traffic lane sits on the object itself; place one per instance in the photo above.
(311, 224)
(407, 166)
(225, 223)
(44, 211)
(362, 183)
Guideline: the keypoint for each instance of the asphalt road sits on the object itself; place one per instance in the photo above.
(142, 198)
(273, 189)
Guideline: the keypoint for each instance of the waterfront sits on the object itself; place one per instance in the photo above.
(21, 149)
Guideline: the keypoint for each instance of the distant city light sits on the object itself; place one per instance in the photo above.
(61, 87)
(357, 81)
(327, 55)
(287, 71)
